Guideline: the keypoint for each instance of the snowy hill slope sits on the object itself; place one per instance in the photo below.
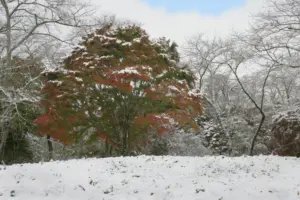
(154, 178)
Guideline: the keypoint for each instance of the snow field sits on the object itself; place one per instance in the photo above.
(154, 178)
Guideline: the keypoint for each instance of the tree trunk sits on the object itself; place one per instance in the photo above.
(124, 144)
(2, 139)
(50, 147)
(256, 134)
(108, 149)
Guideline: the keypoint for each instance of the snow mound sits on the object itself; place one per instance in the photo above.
(154, 178)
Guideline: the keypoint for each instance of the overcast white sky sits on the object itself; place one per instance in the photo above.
(179, 25)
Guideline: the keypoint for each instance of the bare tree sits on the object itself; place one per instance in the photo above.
(275, 32)
(270, 48)
(283, 85)
(203, 54)
(238, 55)
(25, 27)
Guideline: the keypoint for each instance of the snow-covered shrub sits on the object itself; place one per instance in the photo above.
(260, 149)
(39, 147)
(212, 135)
(181, 143)
(177, 143)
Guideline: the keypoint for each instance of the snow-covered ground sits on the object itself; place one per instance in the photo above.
(157, 178)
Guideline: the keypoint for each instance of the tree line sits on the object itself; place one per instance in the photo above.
(72, 85)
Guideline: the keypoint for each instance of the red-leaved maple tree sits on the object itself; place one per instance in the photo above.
(119, 86)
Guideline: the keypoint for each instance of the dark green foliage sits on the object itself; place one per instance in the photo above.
(179, 75)
(129, 33)
(159, 147)
(17, 148)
